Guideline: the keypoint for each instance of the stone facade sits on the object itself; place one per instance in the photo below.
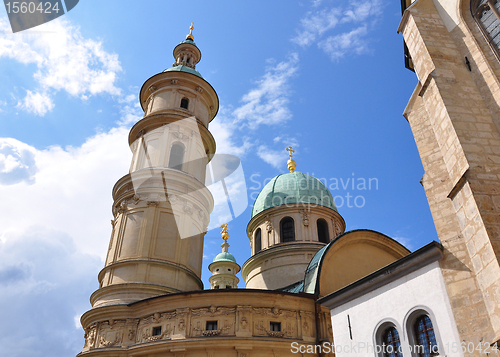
(280, 264)
(453, 114)
(150, 300)
(176, 325)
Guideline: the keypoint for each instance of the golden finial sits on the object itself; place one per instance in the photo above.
(224, 233)
(291, 164)
(190, 36)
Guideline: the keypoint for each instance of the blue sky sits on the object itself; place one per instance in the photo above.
(326, 77)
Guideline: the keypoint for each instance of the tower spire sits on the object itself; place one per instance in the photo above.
(291, 164)
(224, 267)
(190, 35)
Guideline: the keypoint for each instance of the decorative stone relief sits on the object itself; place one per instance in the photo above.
(188, 208)
(260, 328)
(274, 312)
(305, 218)
(105, 343)
(166, 332)
(180, 135)
(213, 311)
(153, 203)
(174, 81)
(307, 319)
(269, 225)
(111, 333)
(182, 325)
(131, 334)
(90, 336)
(122, 208)
(199, 89)
(336, 227)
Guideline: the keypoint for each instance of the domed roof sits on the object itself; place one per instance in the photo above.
(188, 40)
(293, 187)
(224, 257)
(182, 68)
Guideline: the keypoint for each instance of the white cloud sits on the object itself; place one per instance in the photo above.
(268, 103)
(44, 281)
(37, 103)
(17, 163)
(287, 141)
(275, 158)
(351, 24)
(65, 60)
(63, 188)
(130, 110)
(361, 11)
(339, 45)
(224, 131)
(314, 24)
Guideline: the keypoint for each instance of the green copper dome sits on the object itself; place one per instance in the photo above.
(224, 257)
(291, 188)
(182, 68)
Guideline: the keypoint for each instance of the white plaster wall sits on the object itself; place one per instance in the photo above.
(424, 287)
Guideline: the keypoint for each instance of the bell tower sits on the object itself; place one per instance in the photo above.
(161, 207)
(454, 115)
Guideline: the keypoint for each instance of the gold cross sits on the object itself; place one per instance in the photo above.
(224, 233)
(290, 151)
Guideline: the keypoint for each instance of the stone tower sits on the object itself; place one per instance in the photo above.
(151, 300)
(224, 267)
(161, 208)
(454, 114)
(292, 218)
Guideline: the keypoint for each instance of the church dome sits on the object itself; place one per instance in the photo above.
(291, 188)
(182, 68)
(224, 257)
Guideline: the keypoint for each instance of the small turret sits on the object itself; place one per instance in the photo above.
(224, 267)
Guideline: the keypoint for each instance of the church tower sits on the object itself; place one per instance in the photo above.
(161, 207)
(224, 267)
(292, 218)
(454, 114)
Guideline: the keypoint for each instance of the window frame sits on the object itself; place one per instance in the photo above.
(395, 351)
(178, 166)
(380, 328)
(257, 241)
(184, 100)
(477, 9)
(275, 324)
(211, 324)
(156, 331)
(409, 324)
(283, 221)
(326, 229)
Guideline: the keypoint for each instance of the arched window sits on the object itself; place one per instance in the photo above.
(390, 343)
(258, 240)
(184, 103)
(323, 235)
(425, 338)
(287, 230)
(487, 15)
(176, 157)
